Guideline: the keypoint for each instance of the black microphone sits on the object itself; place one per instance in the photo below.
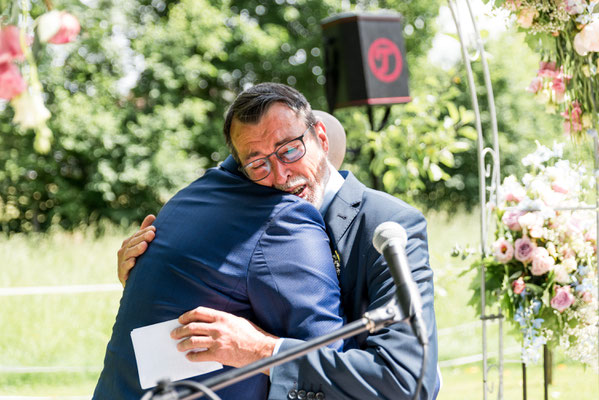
(390, 240)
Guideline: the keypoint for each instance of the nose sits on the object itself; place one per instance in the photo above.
(280, 172)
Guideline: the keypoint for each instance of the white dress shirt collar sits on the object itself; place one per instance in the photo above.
(332, 187)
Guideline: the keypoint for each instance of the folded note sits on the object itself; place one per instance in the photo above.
(158, 358)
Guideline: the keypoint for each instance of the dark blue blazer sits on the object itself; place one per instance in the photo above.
(387, 363)
(226, 243)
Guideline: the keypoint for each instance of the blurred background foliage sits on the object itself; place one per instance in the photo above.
(138, 101)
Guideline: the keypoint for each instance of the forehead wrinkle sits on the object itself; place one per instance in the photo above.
(282, 122)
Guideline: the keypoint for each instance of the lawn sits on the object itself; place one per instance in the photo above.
(53, 344)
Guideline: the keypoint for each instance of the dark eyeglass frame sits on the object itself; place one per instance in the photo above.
(276, 153)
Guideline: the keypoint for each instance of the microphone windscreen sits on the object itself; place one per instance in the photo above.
(388, 231)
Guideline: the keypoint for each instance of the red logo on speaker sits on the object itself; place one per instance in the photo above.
(383, 55)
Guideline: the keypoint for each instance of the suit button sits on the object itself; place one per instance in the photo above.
(320, 396)
(301, 395)
(311, 396)
(292, 395)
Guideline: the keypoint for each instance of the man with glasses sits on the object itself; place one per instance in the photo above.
(255, 252)
(278, 144)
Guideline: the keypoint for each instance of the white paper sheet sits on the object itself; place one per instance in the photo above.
(158, 358)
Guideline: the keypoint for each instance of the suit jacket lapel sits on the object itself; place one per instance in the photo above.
(344, 208)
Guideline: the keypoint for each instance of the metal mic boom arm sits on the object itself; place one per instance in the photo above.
(371, 321)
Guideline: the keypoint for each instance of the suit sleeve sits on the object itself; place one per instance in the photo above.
(292, 283)
(387, 365)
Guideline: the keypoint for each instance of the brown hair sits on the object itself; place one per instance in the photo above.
(253, 103)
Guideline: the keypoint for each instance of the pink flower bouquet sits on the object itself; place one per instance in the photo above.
(541, 269)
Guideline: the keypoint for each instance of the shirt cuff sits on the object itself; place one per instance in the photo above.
(274, 353)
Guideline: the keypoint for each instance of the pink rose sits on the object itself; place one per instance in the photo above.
(559, 87)
(535, 85)
(587, 297)
(548, 69)
(559, 187)
(503, 250)
(524, 249)
(542, 262)
(518, 285)
(562, 299)
(513, 196)
(10, 46)
(68, 31)
(11, 81)
(510, 219)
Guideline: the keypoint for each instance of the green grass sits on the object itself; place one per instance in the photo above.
(569, 382)
(72, 330)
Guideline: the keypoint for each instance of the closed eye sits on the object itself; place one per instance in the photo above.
(257, 164)
(289, 151)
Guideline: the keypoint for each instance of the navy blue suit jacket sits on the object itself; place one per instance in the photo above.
(226, 243)
(387, 363)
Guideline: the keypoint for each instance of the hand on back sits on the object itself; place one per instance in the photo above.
(133, 247)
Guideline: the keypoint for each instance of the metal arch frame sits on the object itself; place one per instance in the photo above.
(485, 171)
(493, 171)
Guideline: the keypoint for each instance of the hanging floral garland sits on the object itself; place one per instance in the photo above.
(19, 81)
(566, 32)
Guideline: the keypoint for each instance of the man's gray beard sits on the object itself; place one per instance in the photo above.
(322, 178)
(316, 196)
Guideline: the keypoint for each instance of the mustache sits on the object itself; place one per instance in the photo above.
(293, 182)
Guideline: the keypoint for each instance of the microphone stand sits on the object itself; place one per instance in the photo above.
(371, 321)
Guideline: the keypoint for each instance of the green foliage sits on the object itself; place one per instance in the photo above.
(119, 151)
(423, 138)
(520, 119)
(428, 152)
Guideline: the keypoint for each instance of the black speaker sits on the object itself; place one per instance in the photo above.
(364, 56)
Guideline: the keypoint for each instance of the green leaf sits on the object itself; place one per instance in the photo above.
(536, 289)
(389, 180)
(453, 111)
(468, 132)
(434, 172)
(446, 157)
(515, 275)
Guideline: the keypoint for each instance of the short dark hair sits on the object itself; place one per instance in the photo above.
(253, 103)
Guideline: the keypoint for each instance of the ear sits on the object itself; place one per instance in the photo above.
(321, 135)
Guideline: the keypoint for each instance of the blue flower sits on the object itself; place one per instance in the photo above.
(585, 286)
(583, 270)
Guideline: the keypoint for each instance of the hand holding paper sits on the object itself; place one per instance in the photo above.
(158, 358)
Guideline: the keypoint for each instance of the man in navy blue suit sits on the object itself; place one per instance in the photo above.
(246, 251)
(387, 363)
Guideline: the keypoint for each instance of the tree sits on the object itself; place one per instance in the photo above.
(121, 149)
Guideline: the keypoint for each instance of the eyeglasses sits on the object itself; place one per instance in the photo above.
(287, 153)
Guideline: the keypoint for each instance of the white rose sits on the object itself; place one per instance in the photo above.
(48, 25)
(570, 264)
(527, 15)
(30, 111)
(561, 275)
(587, 39)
